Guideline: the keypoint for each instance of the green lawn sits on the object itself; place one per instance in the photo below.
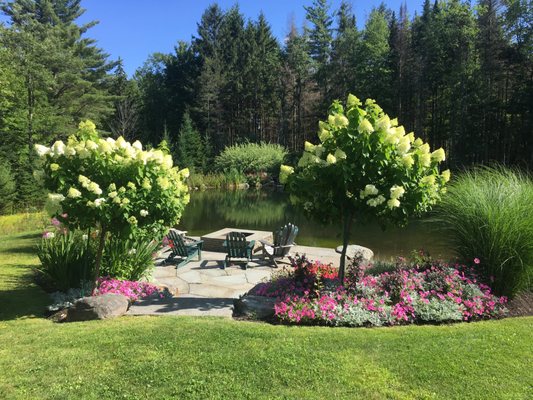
(209, 358)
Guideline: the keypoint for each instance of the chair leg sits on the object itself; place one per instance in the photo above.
(274, 261)
(226, 262)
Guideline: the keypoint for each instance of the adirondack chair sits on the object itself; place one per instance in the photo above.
(184, 248)
(283, 242)
(237, 247)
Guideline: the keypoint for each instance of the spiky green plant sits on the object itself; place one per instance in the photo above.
(487, 214)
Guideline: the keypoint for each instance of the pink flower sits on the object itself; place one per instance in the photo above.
(476, 260)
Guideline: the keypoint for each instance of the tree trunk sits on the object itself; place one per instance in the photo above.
(99, 258)
(347, 224)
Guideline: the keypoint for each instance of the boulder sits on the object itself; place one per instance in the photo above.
(256, 307)
(355, 251)
(105, 306)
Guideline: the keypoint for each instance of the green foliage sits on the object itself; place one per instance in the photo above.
(488, 214)
(23, 222)
(496, 359)
(7, 187)
(364, 166)
(220, 180)
(251, 158)
(113, 185)
(66, 259)
(190, 146)
(128, 259)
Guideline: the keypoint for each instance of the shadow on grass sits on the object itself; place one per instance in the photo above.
(21, 296)
(25, 249)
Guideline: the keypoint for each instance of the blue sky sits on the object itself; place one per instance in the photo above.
(133, 29)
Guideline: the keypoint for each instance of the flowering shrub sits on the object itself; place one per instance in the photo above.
(366, 167)
(133, 290)
(436, 293)
(111, 185)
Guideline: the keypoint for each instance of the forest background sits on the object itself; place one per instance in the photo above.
(458, 74)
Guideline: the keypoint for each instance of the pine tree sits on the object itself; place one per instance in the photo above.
(320, 35)
(190, 148)
(345, 54)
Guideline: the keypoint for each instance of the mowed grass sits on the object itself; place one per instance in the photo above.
(209, 358)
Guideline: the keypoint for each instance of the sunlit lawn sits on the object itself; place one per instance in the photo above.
(210, 358)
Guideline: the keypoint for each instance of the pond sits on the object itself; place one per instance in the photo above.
(212, 210)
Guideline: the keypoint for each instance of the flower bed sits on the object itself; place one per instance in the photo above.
(434, 292)
(133, 290)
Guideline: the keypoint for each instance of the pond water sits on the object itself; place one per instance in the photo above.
(212, 210)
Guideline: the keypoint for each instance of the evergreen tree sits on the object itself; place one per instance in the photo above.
(320, 35)
(190, 148)
(345, 54)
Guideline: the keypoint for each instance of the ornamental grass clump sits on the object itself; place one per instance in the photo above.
(365, 168)
(488, 213)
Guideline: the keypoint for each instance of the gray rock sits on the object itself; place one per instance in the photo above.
(354, 251)
(106, 306)
(256, 307)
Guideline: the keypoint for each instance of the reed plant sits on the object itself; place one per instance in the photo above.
(487, 217)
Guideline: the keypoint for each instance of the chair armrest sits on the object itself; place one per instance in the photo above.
(251, 244)
(225, 243)
(266, 243)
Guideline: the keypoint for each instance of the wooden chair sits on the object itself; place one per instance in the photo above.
(237, 247)
(184, 248)
(283, 242)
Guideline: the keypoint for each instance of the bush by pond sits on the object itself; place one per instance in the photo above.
(428, 293)
(251, 158)
(488, 213)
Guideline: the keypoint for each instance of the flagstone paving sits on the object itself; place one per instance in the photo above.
(205, 288)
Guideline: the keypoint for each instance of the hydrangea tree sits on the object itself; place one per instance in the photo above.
(366, 168)
(111, 185)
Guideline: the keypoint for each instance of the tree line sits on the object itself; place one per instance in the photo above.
(459, 75)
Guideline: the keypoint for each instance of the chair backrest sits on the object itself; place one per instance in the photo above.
(236, 244)
(178, 245)
(284, 237)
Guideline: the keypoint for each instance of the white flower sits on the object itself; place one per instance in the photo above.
(365, 127)
(330, 159)
(309, 147)
(121, 143)
(438, 155)
(341, 121)
(41, 150)
(425, 160)
(167, 161)
(49, 235)
(396, 192)
(132, 251)
(446, 175)
(137, 145)
(54, 166)
(70, 151)
(58, 148)
(340, 155)
(371, 190)
(112, 194)
(380, 199)
(85, 236)
(91, 145)
(95, 188)
(383, 123)
(143, 213)
(404, 145)
(73, 193)
(98, 202)
(392, 203)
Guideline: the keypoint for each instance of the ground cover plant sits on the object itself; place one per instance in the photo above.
(488, 214)
(213, 358)
(412, 293)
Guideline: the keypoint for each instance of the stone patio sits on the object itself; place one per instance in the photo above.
(205, 288)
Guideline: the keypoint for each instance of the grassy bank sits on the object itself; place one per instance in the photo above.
(209, 358)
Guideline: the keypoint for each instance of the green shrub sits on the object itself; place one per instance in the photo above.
(487, 215)
(7, 188)
(23, 222)
(220, 180)
(251, 158)
(63, 259)
(128, 259)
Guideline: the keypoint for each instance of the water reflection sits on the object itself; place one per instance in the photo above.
(212, 210)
